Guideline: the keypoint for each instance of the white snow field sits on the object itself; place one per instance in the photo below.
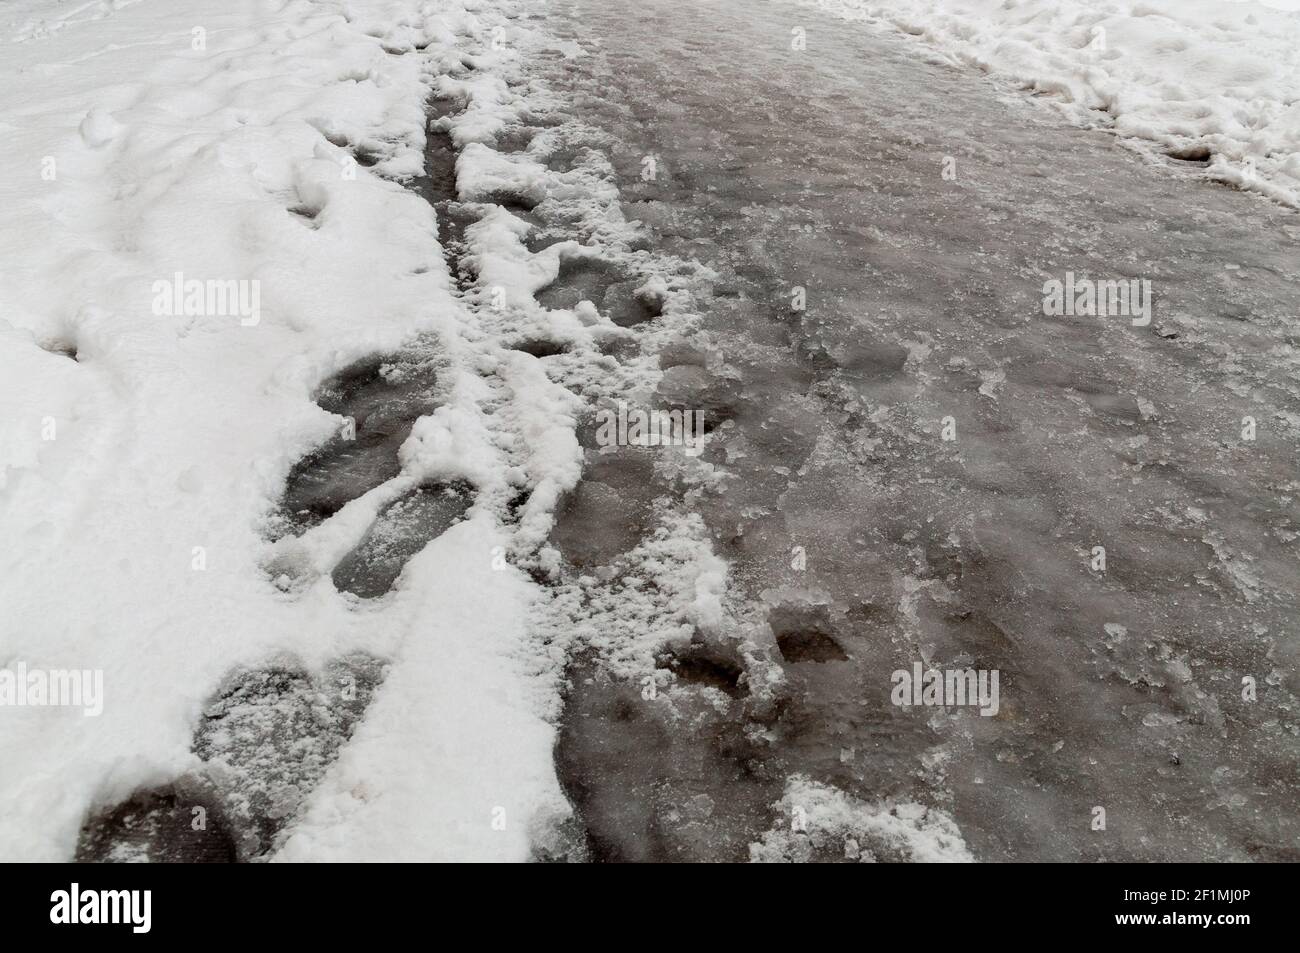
(1201, 79)
(142, 453)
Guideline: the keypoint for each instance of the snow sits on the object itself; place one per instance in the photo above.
(816, 817)
(430, 768)
(142, 455)
(666, 588)
(135, 480)
(1185, 77)
(482, 173)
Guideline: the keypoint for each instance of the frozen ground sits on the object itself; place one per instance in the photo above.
(364, 585)
(1122, 689)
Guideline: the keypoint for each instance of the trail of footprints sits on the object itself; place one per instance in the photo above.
(269, 734)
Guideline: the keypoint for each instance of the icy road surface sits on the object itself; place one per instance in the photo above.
(822, 168)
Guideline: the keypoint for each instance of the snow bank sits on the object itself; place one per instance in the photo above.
(1201, 79)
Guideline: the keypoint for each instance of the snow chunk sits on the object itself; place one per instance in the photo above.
(820, 817)
(485, 175)
(98, 128)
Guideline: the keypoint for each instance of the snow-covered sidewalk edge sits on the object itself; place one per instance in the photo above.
(1203, 80)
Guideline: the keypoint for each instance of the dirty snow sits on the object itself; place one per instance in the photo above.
(814, 817)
